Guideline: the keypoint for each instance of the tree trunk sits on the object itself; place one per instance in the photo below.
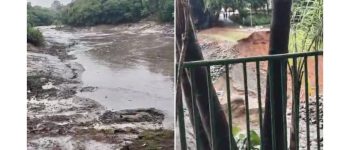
(185, 37)
(293, 143)
(200, 18)
(279, 39)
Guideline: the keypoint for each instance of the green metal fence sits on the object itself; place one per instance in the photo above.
(282, 60)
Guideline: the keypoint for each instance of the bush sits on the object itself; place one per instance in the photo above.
(34, 36)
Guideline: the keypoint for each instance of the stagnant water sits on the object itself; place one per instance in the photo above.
(131, 66)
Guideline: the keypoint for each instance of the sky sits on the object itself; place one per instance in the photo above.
(46, 3)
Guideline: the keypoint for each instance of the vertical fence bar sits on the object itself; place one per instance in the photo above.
(296, 103)
(195, 109)
(317, 104)
(211, 110)
(284, 100)
(229, 104)
(257, 63)
(272, 105)
(259, 102)
(246, 102)
(307, 103)
(181, 118)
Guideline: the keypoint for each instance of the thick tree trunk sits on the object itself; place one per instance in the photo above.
(186, 86)
(199, 16)
(279, 39)
(186, 38)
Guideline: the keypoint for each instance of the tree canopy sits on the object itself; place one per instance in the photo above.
(92, 12)
(39, 16)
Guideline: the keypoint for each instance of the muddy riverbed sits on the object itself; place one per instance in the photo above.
(100, 87)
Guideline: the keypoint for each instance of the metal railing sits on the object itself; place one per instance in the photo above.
(283, 60)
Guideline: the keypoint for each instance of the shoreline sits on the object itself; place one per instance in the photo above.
(57, 115)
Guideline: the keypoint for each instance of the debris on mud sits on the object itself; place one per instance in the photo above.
(137, 115)
(312, 121)
(88, 89)
(153, 139)
(212, 50)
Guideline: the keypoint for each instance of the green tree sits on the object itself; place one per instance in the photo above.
(39, 16)
(93, 12)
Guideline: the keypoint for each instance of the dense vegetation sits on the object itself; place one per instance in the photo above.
(37, 16)
(93, 12)
(166, 11)
(252, 12)
(306, 26)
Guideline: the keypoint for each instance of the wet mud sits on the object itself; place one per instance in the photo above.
(61, 117)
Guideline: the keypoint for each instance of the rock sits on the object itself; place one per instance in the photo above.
(88, 89)
(137, 115)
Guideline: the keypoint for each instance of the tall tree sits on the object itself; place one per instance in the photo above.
(188, 49)
(200, 18)
(275, 104)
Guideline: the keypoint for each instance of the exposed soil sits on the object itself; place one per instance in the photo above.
(256, 44)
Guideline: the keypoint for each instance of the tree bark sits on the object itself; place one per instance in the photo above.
(185, 37)
(200, 18)
(279, 39)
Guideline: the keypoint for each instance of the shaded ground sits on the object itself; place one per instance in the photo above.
(58, 118)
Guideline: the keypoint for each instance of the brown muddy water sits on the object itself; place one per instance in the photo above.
(125, 67)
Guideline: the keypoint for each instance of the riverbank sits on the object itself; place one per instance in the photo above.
(61, 117)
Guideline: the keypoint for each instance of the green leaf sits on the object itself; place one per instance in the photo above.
(254, 138)
(235, 131)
